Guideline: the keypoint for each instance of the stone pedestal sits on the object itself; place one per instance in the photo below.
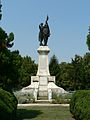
(43, 85)
(43, 69)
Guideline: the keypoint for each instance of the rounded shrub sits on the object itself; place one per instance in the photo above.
(80, 105)
(8, 105)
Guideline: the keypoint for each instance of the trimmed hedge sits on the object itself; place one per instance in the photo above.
(8, 105)
(80, 105)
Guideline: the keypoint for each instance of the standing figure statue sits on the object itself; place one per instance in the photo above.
(44, 33)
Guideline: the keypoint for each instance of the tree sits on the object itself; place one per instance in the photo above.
(10, 63)
(65, 78)
(54, 68)
(28, 69)
(6, 66)
(86, 71)
(0, 10)
(77, 72)
(6, 41)
(88, 40)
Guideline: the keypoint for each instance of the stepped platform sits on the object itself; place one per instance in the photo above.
(43, 101)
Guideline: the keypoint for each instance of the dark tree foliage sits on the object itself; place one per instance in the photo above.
(9, 61)
(0, 10)
(86, 71)
(54, 68)
(9, 65)
(74, 75)
(15, 71)
(65, 78)
(81, 72)
(7, 69)
(28, 68)
(5, 40)
(88, 40)
(8, 105)
(77, 72)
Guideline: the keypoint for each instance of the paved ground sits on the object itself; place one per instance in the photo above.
(46, 104)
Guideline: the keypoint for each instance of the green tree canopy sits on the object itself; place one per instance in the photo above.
(0, 10)
(65, 78)
(6, 41)
(54, 67)
(88, 40)
(28, 68)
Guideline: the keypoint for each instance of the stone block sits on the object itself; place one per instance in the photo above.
(43, 88)
(43, 80)
(34, 79)
(51, 79)
(43, 93)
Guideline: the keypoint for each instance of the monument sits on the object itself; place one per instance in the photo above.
(43, 84)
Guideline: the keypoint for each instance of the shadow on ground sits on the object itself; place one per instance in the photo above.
(27, 114)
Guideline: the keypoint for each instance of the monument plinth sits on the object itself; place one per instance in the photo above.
(43, 85)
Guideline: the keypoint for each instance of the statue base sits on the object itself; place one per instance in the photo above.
(43, 85)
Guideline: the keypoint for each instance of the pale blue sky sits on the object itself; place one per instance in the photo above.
(68, 20)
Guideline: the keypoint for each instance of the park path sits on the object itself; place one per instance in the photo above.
(44, 104)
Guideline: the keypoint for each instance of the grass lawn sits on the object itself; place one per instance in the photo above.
(44, 113)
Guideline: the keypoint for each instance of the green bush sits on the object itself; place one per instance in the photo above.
(24, 97)
(63, 98)
(80, 105)
(8, 105)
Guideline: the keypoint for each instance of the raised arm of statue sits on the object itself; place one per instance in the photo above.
(47, 20)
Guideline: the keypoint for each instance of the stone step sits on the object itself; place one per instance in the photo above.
(43, 93)
(42, 97)
(43, 101)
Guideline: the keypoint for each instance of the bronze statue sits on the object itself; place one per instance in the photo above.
(44, 33)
